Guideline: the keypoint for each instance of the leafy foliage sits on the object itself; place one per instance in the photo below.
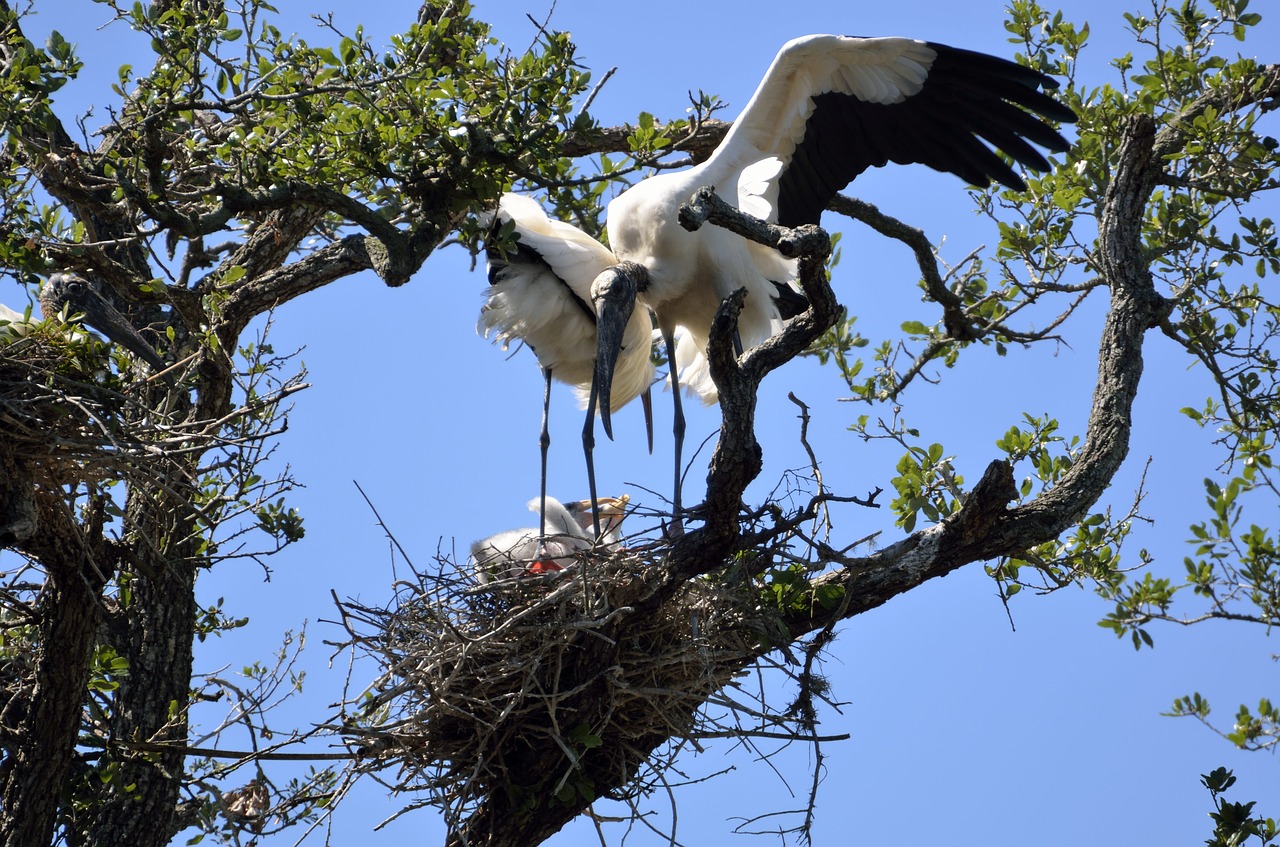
(245, 168)
(1206, 236)
(1233, 822)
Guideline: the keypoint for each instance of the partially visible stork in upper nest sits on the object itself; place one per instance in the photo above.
(69, 294)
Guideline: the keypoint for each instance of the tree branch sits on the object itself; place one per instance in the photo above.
(737, 457)
(984, 528)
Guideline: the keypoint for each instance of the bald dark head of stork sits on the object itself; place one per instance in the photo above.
(613, 298)
(76, 295)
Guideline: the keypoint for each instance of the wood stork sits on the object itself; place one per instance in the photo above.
(828, 108)
(521, 552)
(70, 294)
(547, 292)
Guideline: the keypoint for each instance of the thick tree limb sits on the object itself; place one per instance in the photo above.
(701, 144)
(737, 458)
(40, 728)
(983, 529)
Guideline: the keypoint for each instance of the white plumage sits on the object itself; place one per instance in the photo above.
(541, 295)
(549, 291)
(515, 552)
(828, 108)
(14, 325)
(864, 81)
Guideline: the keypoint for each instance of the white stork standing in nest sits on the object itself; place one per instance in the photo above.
(548, 291)
(70, 294)
(522, 552)
(828, 108)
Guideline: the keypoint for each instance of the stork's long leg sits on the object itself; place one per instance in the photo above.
(545, 443)
(588, 445)
(677, 428)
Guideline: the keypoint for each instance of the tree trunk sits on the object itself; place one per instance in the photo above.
(155, 635)
(38, 724)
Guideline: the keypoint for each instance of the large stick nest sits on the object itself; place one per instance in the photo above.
(65, 419)
(542, 686)
(60, 406)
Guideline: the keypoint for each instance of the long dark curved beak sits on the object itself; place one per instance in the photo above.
(105, 318)
(646, 400)
(613, 296)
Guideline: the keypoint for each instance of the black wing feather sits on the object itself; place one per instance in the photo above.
(788, 301)
(966, 98)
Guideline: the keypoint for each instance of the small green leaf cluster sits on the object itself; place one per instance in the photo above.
(1138, 602)
(1225, 552)
(574, 791)
(1258, 731)
(883, 382)
(1234, 568)
(835, 346)
(107, 669)
(926, 485)
(1234, 823)
(31, 75)
(213, 620)
(1036, 446)
(649, 139)
(282, 522)
(790, 590)
(1091, 549)
(926, 482)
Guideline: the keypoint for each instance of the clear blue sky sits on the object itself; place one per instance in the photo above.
(964, 731)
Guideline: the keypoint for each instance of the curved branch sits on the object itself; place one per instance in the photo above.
(1260, 89)
(700, 144)
(984, 528)
(953, 317)
(737, 457)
